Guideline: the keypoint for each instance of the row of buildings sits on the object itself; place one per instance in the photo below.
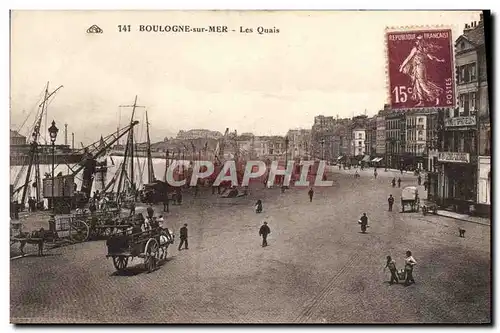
(452, 144)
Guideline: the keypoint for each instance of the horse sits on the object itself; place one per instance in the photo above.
(165, 241)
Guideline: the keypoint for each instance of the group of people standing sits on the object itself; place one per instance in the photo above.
(406, 274)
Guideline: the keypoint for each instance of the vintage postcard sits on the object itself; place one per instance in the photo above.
(292, 167)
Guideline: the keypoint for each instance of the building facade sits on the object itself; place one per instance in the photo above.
(371, 137)
(358, 142)
(198, 133)
(17, 139)
(299, 143)
(464, 160)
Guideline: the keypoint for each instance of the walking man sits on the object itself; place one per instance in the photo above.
(409, 263)
(184, 237)
(311, 193)
(390, 200)
(391, 264)
(165, 203)
(399, 182)
(419, 179)
(150, 211)
(264, 231)
(375, 173)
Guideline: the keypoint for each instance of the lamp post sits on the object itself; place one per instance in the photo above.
(53, 135)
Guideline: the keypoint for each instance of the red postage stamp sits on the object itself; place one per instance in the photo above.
(420, 68)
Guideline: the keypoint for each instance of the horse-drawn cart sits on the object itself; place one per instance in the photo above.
(65, 230)
(410, 198)
(104, 223)
(148, 245)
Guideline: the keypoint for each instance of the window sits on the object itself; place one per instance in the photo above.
(359, 143)
(464, 104)
(360, 135)
(472, 71)
(420, 120)
(420, 132)
(472, 101)
(461, 75)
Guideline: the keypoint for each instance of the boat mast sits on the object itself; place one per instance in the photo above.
(130, 142)
(151, 175)
(166, 164)
(33, 157)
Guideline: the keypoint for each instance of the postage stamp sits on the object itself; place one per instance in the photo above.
(420, 68)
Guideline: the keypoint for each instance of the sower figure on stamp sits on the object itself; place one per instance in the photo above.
(390, 200)
(184, 237)
(264, 231)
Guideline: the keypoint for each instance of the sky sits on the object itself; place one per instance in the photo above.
(329, 63)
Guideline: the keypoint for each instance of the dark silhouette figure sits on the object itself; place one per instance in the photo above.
(258, 206)
(391, 264)
(150, 211)
(264, 231)
(364, 222)
(132, 208)
(311, 194)
(419, 180)
(390, 200)
(184, 237)
(166, 207)
(399, 182)
(393, 182)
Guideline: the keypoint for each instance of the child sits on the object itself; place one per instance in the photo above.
(391, 264)
(258, 206)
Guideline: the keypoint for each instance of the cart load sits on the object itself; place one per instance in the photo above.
(410, 199)
(149, 245)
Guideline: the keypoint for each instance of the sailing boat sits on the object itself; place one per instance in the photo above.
(155, 191)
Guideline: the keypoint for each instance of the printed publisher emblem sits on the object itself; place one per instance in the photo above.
(94, 30)
(421, 72)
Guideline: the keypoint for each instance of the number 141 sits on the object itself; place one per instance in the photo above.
(124, 28)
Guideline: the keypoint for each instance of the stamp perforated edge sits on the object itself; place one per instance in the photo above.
(416, 28)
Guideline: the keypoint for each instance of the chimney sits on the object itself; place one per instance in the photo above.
(65, 134)
(467, 28)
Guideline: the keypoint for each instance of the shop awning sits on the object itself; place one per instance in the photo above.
(366, 159)
(340, 157)
(377, 159)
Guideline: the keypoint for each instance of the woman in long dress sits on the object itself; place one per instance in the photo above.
(415, 66)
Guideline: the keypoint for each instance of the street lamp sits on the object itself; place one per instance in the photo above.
(286, 163)
(53, 135)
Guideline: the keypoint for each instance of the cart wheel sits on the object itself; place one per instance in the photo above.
(79, 231)
(120, 262)
(151, 254)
